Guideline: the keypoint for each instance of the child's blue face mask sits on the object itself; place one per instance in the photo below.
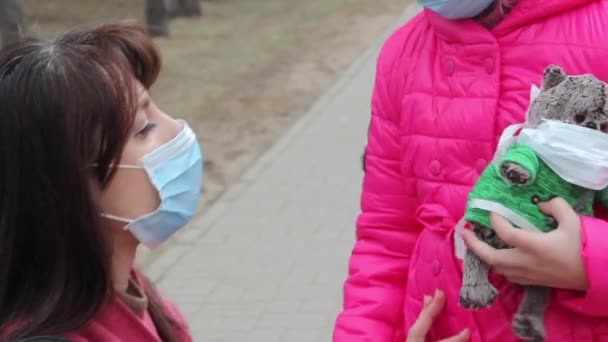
(176, 171)
(457, 9)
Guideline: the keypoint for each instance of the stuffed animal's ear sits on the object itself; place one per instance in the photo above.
(554, 75)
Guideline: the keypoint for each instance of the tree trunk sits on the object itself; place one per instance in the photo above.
(157, 18)
(185, 8)
(11, 21)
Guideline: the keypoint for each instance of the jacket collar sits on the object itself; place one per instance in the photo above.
(525, 12)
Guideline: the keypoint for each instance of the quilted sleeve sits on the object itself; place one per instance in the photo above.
(386, 228)
(594, 301)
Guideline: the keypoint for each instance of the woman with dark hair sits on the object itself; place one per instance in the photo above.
(91, 168)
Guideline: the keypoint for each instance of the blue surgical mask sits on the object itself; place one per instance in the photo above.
(457, 9)
(176, 171)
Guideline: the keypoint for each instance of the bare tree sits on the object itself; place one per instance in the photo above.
(11, 21)
(185, 8)
(157, 18)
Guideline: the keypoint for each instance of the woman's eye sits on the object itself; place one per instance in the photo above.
(146, 129)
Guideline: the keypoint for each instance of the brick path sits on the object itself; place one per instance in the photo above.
(267, 261)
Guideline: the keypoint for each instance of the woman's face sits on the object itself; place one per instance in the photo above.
(130, 194)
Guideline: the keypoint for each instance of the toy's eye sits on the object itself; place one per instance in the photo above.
(579, 118)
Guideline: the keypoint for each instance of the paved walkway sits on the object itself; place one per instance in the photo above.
(266, 263)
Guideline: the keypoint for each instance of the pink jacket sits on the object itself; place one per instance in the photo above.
(444, 92)
(116, 322)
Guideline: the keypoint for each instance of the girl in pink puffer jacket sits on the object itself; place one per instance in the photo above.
(445, 90)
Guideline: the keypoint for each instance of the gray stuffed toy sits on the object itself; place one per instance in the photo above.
(525, 173)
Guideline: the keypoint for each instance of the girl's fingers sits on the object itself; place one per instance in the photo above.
(427, 301)
(432, 307)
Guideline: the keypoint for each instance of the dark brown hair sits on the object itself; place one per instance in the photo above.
(65, 105)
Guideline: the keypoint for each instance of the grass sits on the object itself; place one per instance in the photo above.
(204, 57)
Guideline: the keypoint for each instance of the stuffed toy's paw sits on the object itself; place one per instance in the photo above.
(529, 327)
(515, 173)
(474, 297)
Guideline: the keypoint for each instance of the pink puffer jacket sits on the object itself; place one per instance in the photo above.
(444, 92)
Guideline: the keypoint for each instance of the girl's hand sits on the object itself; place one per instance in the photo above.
(432, 308)
(545, 259)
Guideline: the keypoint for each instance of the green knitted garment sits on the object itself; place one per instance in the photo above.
(522, 199)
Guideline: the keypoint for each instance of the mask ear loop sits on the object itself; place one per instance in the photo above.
(129, 167)
(534, 93)
(460, 249)
(114, 217)
(117, 218)
(123, 166)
